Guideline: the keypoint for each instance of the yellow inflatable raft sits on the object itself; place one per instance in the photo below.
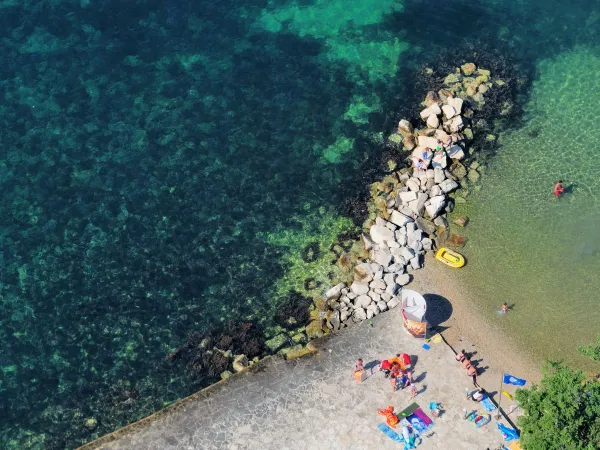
(449, 257)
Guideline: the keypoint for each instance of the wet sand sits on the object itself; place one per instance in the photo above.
(464, 327)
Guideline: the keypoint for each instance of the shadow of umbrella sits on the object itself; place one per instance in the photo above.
(439, 309)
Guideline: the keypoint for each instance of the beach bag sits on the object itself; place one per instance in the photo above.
(360, 376)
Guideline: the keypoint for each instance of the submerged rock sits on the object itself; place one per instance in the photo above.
(461, 221)
(456, 240)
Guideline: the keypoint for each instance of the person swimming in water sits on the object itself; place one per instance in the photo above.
(558, 189)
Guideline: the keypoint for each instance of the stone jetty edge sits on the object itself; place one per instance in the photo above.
(408, 217)
(409, 208)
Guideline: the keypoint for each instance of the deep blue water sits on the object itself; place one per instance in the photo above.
(146, 146)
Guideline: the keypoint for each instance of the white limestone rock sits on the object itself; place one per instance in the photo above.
(378, 284)
(448, 186)
(375, 296)
(440, 160)
(431, 110)
(389, 278)
(406, 197)
(395, 301)
(362, 301)
(359, 315)
(421, 200)
(382, 305)
(399, 219)
(344, 315)
(435, 191)
(433, 121)
(456, 124)
(413, 184)
(428, 142)
(407, 253)
(416, 262)
(386, 297)
(456, 103)
(379, 234)
(403, 279)
(449, 111)
(435, 206)
(456, 152)
(392, 288)
(427, 244)
(439, 175)
(370, 314)
(335, 292)
(383, 258)
(359, 288)
(405, 128)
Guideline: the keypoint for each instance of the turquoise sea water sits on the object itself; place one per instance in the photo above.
(526, 247)
(164, 165)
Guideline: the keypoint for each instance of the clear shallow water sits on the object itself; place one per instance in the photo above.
(163, 165)
(526, 247)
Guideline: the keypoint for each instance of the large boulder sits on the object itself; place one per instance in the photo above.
(362, 301)
(359, 315)
(448, 185)
(359, 288)
(456, 124)
(334, 321)
(449, 111)
(433, 121)
(427, 141)
(379, 234)
(439, 160)
(456, 152)
(435, 206)
(434, 109)
(456, 240)
(405, 128)
(413, 184)
(383, 258)
(406, 197)
(461, 221)
(400, 219)
(335, 292)
(431, 98)
(435, 190)
(456, 103)
(395, 301)
(409, 142)
(377, 284)
(427, 226)
(403, 279)
(473, 176)
(363, 273)
(420, 206)
(458, 170)
(439, 175)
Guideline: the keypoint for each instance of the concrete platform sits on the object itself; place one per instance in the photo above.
(314, 403)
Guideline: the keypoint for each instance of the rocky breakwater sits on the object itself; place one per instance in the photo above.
(409, 208)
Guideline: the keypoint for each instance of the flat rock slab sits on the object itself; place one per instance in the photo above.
(314, 403)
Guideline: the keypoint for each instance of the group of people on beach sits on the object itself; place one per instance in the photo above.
(463, 358)
(398, 369)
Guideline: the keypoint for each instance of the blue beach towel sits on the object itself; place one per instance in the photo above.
(487, 404)
(508, 433)
(387, 430)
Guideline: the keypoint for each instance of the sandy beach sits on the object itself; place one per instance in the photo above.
(466, 328)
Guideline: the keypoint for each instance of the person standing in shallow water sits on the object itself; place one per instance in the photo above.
(558, 189)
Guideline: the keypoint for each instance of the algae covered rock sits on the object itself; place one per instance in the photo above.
(276, 342)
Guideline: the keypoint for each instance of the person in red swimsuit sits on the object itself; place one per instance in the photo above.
(558, 189)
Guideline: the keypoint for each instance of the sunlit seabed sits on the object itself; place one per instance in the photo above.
(526, 247)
